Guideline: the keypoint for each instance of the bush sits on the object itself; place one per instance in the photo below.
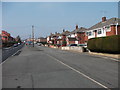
(43, 43)
(109, 44)
(64, 43)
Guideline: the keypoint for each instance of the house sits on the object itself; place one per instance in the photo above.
(42, 40)
(104, 28)
(71, 40)
(58, 38)
(64, 34)
(77, 36)
(49, 39)
(6, 37)
(53, 38)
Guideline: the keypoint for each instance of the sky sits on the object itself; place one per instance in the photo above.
(51, 17)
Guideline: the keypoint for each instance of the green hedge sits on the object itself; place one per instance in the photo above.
(43, 43)
(109, 44)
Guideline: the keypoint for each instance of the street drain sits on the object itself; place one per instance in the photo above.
(18, 86)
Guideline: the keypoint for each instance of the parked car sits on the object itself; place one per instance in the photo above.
(15, 45)
(39, 44)
(58, 45)
(72, 45)
(83, 45)
(19, 43)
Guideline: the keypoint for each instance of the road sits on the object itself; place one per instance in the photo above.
(7, 52)
(43, 67)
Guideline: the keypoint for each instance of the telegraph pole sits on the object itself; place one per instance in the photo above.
(33, 34)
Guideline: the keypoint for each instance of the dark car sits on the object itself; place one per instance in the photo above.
(39, 44)
(72, 45)
(15, 45)
(83, 45)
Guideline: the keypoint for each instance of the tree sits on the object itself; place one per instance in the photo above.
(18, 39)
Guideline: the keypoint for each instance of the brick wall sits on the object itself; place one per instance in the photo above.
(86, 38)
(112, 32)
(63, 38)
(82, 38)
(118, 30)
(71, 42)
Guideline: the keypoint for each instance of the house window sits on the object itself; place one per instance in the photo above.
(90, 33)
(99, 31)
(87, 33)
(107, 28)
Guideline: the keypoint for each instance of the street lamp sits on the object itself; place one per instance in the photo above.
(33, 34)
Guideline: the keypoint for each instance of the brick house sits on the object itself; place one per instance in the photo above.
(54, 38)
(71, 40)
(41, 39)
(77, 36)
(57, 38)
(104, 28)
(64, 39)
(6, 37)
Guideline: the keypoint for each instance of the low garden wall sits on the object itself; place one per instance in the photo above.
(79, 49)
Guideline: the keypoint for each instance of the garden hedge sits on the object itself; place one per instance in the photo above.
(109, 44)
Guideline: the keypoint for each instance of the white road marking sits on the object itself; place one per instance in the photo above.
(15, 53)
(79, 72)
(10, 56)
(112, 59)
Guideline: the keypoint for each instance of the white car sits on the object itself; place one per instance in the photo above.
(39, 44)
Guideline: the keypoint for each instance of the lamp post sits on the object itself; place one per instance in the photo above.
(33, 34)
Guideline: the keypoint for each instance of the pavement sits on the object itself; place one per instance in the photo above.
(43, 67)
(0, 55)
(107, 55)
(117, 56)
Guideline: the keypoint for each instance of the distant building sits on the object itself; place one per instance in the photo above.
(41, 39)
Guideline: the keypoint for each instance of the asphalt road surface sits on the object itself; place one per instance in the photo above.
(7, 52)
(43, 67)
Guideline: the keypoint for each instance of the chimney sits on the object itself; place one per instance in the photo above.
(76, 26)
(103, 19)
(63, 30)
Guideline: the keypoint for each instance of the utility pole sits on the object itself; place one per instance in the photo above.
(33, 34)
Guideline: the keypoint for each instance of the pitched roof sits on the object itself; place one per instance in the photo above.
(112, 21)
(41, 38)
(51, 35)
(56, 34)
(81, 29)
(65, 33)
